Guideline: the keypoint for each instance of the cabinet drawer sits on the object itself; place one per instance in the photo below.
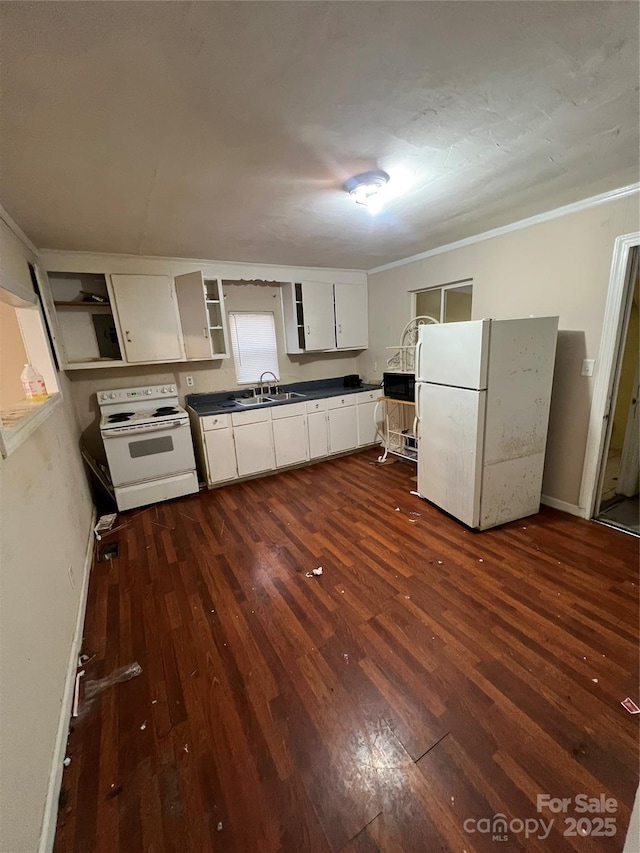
(257, 416)
(288, 411)
(316, 406)
(339, 402)
(368, 396)
(215, 422)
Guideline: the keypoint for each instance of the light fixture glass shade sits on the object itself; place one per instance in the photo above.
(366, 188)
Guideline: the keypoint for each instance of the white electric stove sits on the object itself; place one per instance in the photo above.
(147, 440)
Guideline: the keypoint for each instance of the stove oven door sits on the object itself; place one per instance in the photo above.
(149, 453)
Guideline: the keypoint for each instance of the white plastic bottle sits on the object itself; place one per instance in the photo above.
(33, 384)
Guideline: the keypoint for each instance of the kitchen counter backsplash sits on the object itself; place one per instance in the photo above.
(316, 389)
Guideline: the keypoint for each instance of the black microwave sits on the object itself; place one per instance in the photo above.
(399, 386)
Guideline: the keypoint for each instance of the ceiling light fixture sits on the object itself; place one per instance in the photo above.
(367, 188)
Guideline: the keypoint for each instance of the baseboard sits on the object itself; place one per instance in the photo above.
(49, 821)
(564, 506)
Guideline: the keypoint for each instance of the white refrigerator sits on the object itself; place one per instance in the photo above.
(483, 391)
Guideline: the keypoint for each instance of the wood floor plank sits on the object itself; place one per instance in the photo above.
(431, 674)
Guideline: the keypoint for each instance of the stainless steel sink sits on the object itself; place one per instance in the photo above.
(259, 400)
(286, 395)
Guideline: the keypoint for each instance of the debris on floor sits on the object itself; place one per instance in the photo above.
(95, 688)
(108, 552)
(67, 761)
(417, 494)
(595, 680)
(314, 573)
(76, 693)
(220, 826)
(143, 726)
(419, 514)
(629, 705)
(397, 509)
(104, 525)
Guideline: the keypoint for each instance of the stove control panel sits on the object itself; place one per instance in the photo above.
(153, 392)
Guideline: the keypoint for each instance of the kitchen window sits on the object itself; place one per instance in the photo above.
(447, 304)
(253, 340)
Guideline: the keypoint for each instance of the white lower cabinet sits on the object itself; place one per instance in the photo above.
(369, 430)
(318, 429)
(241, 444)
(290, 438)
(343, 424)
(253, 438)
(221, 455)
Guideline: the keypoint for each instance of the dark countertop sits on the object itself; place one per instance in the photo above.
(317, 389)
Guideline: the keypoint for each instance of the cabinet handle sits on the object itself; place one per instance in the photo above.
(308, 330)
(205, 332)
(126, 334)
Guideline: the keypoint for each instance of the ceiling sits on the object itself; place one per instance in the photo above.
(225, 130)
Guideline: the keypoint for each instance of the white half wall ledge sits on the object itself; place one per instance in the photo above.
(574, 207)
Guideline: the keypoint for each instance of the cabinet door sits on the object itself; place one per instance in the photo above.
(221, 455)
(317, 304)
(290, 440)
(318, 435)
(194, 317)
(369, 431)
(352, 322)
(343, 429)
(148, 317)
(254, 448)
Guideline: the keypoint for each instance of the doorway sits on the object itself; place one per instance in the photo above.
(617, 501)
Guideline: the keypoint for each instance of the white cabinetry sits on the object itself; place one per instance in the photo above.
(319, 316)
(351, 318)
(202, 316)
(147, 314)
(290, 437)
(318, 429)
(343, 424)
(308, 316)
(80, 311)
(253, 439)
(369, 430)
(220, 455)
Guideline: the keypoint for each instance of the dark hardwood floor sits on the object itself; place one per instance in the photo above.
(430, 676)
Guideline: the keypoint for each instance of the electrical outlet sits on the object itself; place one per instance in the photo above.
(190, 381)
(587, 367)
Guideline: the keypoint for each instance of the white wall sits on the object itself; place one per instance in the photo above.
(45, 517)
(560, 266)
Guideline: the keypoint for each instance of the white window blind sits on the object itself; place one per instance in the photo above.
(253, 339)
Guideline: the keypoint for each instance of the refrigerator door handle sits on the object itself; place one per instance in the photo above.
(416, 360)
(418, 389)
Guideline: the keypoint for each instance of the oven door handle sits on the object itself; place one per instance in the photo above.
(113, 433)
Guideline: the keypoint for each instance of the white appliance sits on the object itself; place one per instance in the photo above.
(147, 440)
(483, 391)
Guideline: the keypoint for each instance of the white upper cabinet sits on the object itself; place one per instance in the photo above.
(352, 322)
(147, 314)
(323, 317)
(202, 316)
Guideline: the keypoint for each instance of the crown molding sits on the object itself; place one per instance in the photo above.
(574, 207)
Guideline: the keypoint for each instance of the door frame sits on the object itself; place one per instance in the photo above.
(608, 369)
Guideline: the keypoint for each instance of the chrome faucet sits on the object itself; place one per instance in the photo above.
(261, 388)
